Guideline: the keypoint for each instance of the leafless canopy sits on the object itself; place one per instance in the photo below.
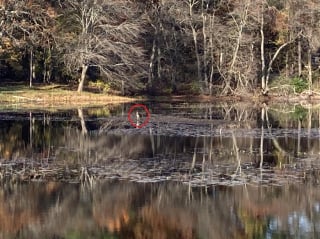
(104, 34)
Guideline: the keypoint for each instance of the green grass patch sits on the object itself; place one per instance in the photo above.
(288, 86)
(299, 84)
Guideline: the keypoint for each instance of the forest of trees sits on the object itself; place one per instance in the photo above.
(163, 46)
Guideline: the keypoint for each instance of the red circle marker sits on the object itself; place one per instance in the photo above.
(145, 122)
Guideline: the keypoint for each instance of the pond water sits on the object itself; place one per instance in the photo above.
(194, 171)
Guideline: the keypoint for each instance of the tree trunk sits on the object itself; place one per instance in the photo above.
(47, 69)
(195, 41)
(287, 65)
(31, 68)
(263, 64)
(271, 62)
(122, 87)
(309, 70)
(159, 75)
(173, 60)
(235, 53)
(205, 48)
(83, 77)
(299, 57)
(211, 36)
(151, 64)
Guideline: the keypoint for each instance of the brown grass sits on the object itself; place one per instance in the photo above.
(53, 96)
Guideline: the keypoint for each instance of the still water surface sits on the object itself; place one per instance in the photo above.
(195, 171)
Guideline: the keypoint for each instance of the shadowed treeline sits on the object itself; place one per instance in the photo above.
(213, 47)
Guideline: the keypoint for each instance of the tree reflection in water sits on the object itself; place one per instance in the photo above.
(271, 153)
(162, 210)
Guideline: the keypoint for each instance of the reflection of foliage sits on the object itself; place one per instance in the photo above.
(300, 113)
(81, 235)
(11, 141)
(253, 226)
(99, 112)
(158, 211)
(155, 223)
(281, 158)
(290, 115)
(15, 137)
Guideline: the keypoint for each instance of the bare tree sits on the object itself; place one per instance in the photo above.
(192, 21)
(104, 34)
(273, 20)
(304, 18)
(310, 20)
(234, 39)
(170, 43)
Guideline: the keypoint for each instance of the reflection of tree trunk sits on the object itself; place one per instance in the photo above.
(83, 77)
(194, 155)
(319, 125)
(190, 193)
(309, 126)
(211, 146)
(262, 136)
(152, 136)
(236, 150)
(251, 146)
(299, 138)
(204, 154)
(82, 121)
(274, 140)
(47, 132)
(158, 140)
(30, 130)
